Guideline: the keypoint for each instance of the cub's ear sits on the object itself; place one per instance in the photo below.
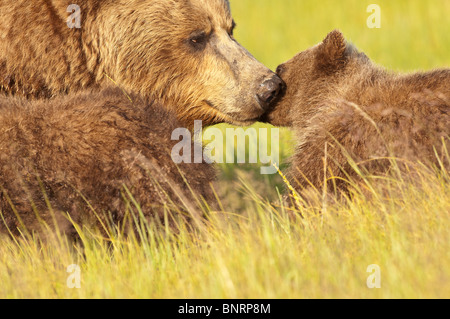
(332, 53)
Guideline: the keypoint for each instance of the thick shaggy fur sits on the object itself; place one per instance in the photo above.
(179, 52)
(341, 105)
(77, 154)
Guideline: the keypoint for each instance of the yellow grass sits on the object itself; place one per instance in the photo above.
(262, 253)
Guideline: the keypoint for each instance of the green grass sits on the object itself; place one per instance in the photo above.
(252, 250)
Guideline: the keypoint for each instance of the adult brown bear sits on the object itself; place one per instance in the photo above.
(179, 55)
(343, 106)
(179, 52)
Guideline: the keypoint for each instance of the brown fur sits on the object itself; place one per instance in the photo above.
(337, 99)
(151, 47)
(90, 145)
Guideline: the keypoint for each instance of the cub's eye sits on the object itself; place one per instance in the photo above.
(199, 40)
(280, 69)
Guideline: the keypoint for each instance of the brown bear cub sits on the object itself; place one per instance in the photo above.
(343, 106)
(85, 155)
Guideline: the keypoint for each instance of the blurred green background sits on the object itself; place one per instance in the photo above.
(414, 35)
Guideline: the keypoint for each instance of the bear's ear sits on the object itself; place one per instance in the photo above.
(332, 53)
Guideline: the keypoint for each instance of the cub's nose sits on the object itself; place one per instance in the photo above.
(269, 91)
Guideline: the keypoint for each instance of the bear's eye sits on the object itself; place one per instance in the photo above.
(199, 40)
(280, 70)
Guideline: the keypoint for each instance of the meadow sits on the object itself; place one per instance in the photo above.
(255, 248)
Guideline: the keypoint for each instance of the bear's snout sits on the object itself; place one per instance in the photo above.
(269, 91)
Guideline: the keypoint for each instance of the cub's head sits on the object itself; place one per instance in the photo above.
(183, 53)
(312, 76)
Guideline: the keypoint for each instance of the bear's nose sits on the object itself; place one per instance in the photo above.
(269, 91)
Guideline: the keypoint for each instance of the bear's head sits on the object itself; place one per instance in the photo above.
(183, 53)
(312, 77)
